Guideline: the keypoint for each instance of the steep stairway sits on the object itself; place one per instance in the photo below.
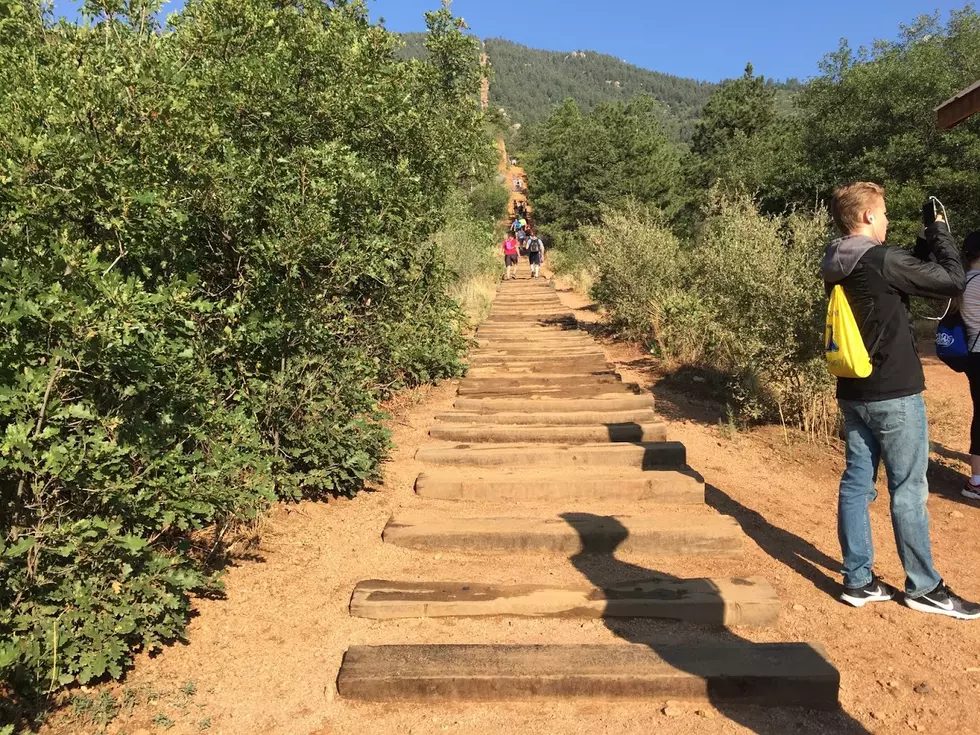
(541, 427)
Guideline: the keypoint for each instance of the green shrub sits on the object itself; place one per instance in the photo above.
(761, 280)
(743, 297)
(489, 201)
(215, 259)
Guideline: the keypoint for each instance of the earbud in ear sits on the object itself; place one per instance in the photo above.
(870, 218)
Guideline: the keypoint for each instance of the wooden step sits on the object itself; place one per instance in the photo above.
(565, 391)
(522, 337)
(507, 484)
(531, 315)
(539, 350)
(504, 379)
(523, 364)
(545, 295)
(645, 456)
(534, 352)
(750, 602)
(590, 383)
(563, 363)
(571, 418)
(512, 330)
(542, 306)
(510, 373)
(532, 334)
(541, 357)
(774, 674)
(669, 534)
(553, 347)
(488, 344)
(564, 317)
(543, 404)
(630, 432)
(590, 367)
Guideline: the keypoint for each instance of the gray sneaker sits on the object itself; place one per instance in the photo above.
(943, 601)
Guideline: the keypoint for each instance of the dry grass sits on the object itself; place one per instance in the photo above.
(476, 295)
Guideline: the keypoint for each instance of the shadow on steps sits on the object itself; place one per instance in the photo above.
(603, 570)
(787, 548)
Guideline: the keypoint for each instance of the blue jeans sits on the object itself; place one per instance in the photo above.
(896, 432)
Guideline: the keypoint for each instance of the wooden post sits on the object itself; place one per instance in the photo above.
(954, 111)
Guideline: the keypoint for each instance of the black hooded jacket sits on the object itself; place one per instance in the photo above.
(878, 281)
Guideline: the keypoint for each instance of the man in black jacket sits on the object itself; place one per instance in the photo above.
(884, 414)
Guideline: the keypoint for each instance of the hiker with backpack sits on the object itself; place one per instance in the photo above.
(535, 253)
(970, 312)
(522, 237)
(511, 258)
(879, 390)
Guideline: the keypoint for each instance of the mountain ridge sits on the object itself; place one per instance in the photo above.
(528, 83)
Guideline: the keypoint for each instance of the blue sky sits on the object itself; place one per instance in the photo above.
(705, 39)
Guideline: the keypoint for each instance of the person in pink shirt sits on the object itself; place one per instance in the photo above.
(511, 255)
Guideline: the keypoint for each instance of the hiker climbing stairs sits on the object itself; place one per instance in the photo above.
(545, 430)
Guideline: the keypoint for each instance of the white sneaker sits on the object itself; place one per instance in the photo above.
(971, 491)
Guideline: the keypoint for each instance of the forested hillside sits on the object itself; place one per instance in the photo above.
(529, 83)
(688, 248)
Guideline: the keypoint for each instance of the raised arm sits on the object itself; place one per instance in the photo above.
(942, 278)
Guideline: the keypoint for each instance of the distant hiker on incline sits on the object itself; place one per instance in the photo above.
(884, 413)
(535, 253)
(511, 257)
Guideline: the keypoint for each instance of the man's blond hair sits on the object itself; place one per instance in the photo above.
(851, 201)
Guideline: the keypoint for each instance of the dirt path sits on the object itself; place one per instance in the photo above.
(266, 659)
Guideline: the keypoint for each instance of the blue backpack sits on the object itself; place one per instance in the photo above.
(951, 345)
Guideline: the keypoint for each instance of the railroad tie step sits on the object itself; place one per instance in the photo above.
(748, 601)
(549, 350)
(566, 318)
(638, 455)
(566, 363)
(544, 404)
(567, 391)
(504, 378)
(531, 354)
(554, 418)
(772, 674)
(510, 373)
(580, 364)
(669, 534)
(628, 432)
(556, 368)
(665, 487)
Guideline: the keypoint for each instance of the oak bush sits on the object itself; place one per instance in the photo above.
(215, 259)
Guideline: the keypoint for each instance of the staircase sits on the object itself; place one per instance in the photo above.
(542, 427)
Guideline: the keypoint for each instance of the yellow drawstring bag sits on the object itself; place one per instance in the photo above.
(847, 357)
